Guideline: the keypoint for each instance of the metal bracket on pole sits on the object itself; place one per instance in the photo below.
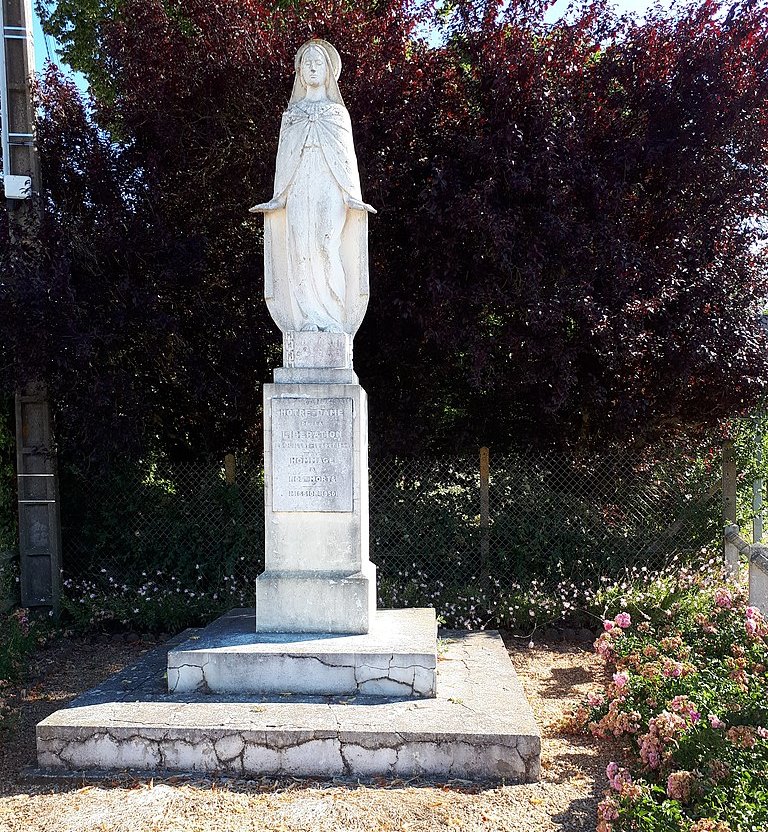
(17, 184)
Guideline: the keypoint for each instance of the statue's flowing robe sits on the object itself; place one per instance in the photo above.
(316, 169)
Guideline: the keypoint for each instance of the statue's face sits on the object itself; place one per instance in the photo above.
(313, 70)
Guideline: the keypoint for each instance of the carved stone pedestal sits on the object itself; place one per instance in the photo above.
(318, 577)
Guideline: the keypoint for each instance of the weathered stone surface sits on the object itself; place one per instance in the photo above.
(316, 602)
(396, 658)
(316, 224)
(329, 350)
(313, 375)
(318, 575)
(312, 448)
(479, 726)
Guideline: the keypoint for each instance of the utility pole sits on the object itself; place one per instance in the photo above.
(39, 522)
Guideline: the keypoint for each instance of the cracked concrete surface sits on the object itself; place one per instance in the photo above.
(397, 658)
(478, 726)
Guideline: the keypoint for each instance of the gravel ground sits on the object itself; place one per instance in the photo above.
(554, 678)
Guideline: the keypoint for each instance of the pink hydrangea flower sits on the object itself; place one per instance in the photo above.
(753, 612)
(762, 733)
(742, 736)
(623, 620)
(724, 599)
(672, 669)
(750, 625)
(683, 705)
(607, 810)
(619, 778)
(608, 626)
(679, 785)
(620, 679)
(715, 721)
(603, 646)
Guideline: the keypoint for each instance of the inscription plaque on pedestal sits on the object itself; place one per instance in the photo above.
(312, 454)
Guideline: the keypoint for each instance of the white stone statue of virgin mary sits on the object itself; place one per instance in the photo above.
(316, 224)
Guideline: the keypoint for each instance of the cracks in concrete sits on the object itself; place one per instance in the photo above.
(374, 675)
(183, 685)
(489, 736)
(334, 752)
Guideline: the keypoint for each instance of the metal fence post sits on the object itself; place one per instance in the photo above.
(39, 521)
(730, 552)
(485, 510)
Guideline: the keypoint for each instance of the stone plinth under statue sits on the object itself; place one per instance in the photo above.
(479, 726)
(315, 629)
(397, 658)
(318, 577)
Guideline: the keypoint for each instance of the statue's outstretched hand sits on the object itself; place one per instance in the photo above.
(359, 205)
(265, 207)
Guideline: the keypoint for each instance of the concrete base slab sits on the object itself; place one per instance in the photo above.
(397, 658)
(479, 726)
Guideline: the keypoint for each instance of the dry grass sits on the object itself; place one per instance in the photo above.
(565, 799)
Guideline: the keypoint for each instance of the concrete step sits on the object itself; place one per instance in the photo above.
(479, 726)
(397, 658)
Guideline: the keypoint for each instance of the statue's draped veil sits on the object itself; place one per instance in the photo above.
(333, 71)
(315, 246)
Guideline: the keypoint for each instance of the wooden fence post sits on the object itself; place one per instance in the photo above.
(230, 469)
(730, 552)
(485, 511)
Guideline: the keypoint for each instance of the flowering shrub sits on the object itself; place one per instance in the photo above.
(525, 606)
(160, 602)
(689, 695)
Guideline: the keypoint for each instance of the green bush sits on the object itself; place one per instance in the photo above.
(159, 520)
(160, 603)
(18, 638)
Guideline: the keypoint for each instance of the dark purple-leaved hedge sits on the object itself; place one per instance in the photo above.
(567, 248)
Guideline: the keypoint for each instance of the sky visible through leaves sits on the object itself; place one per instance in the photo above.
(46, 47)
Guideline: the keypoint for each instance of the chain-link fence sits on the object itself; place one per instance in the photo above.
(444, 524)
(189, 520)
(549, 516)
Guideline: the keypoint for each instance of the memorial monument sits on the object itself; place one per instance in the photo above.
(315, 629)
(318, 576)
(315, 680)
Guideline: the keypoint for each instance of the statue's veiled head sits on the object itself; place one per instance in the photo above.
(317, 63)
